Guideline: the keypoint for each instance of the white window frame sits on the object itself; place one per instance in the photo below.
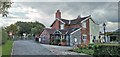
(62, 26)
(84, 39)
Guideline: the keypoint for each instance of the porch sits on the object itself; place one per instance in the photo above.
(59, 39)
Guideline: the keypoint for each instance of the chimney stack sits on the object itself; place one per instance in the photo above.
(78, 17)
(58, 14)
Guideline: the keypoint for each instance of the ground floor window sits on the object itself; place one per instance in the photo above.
(84, 38)
(75, 39)
(94, 39)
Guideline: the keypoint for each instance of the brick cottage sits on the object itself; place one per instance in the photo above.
(70, 32)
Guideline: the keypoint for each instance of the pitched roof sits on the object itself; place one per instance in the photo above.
(68, 31)
(50, 31)
(74, 21)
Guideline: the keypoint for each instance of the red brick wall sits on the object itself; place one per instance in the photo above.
(86, 31)
(56, 25)
(47, 37)
(58, 14)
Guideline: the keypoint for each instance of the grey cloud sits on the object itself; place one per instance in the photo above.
(79, 8)
(65, 0)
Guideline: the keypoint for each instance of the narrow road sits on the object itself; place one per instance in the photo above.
(29, 47)
(21, 48)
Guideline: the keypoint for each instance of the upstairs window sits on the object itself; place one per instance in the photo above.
(62, 26)
(84, 24)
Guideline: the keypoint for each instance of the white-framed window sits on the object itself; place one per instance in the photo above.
(62, 26)
(75, 39)
(84, 38)
(84, 24)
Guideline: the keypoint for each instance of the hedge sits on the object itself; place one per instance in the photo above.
(0, 36)
(107, 50)
(4, 36)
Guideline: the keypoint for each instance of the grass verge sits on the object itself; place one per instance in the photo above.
(7, 48)
(0, 50)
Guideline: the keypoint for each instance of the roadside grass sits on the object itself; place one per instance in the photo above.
(85, 51)
(7, 48)
(0, 50)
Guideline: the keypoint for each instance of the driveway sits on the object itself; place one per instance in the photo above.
(29, 47)
(61, 50)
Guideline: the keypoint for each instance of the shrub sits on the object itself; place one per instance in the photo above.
(0, 36)
(91, 46)
(86, 51)
(107, 50)
(63, 40)
(4, 36)
(57, 41)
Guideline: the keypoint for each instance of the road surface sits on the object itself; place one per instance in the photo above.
(21, 48)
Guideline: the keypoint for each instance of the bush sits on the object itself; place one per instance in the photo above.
(57, 41)
(104, 50)
(0, 36)
(63, 40)
(4, 36)
(83, 50)
(91, 46)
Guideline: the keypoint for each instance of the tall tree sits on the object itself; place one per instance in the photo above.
(4, 7)
(4, 36)
(12, 28)
(29, 27)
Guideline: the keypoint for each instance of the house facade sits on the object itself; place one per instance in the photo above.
(74, 32)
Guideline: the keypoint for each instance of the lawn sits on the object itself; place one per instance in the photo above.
(7, 48)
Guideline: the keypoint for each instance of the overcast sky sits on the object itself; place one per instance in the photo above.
(44, 12)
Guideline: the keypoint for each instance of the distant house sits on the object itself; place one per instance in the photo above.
(104, 39)
(110, 37)
(76, 31)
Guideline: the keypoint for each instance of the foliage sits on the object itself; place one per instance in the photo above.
(0, 50)
(100, 50)
(4, 7)
(57, 41)
(12, 28)
(86, 51)
(7, 48)
(63, 40)
(109, 50)
(4, 36)
(25, 27)
(0, 36)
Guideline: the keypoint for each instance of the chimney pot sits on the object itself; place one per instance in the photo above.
(58, 14)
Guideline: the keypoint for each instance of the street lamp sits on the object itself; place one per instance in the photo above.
(104, 25)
